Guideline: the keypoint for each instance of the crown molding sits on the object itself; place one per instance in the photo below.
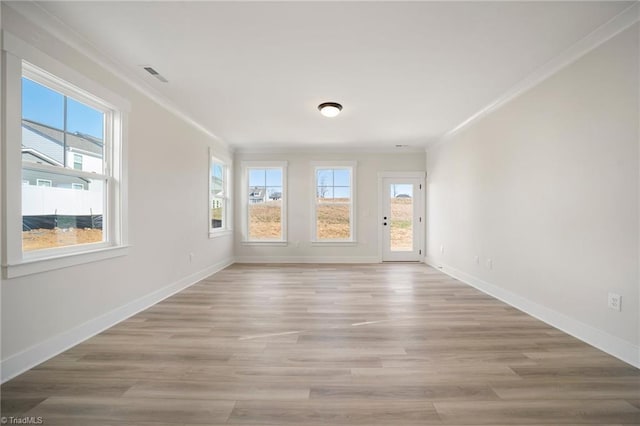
(50, 23)
(360, 149)
(597, 37)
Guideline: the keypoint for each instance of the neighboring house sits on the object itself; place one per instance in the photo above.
(50, 193)
(257, 195)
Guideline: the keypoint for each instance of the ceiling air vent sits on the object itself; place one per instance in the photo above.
(156, 74)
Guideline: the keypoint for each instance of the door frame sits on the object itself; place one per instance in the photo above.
(421, 176)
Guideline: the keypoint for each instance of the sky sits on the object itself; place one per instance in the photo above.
(46, 106)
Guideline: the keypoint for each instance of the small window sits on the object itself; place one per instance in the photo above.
(77, 161)
(44, 182)
(77, 186)
(333, 203)
(265, 208)
(218, 196)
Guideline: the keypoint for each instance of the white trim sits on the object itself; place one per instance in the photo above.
(600, 35)
(273, 243)
(619, 348)
(22, 361)
(307, 259)
(327, 149)
(222, 233)
(37, 265)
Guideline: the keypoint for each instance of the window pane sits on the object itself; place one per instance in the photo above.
(342, 177)
(265, 220)
(325, 194)
(333, 221)
(401, 220)
(65, 211)
(217, 182)
(274, 177)
(324, 177)
(342, 194)
(217, 212)
(257, 177)
(42, 105)
(44, 139)
(82, 119)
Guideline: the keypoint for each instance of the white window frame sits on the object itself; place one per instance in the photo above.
(246, 166)
(352, 166)
(20, 59)
(77, 186)
(76, 155)
(227, 228)
(49, 181)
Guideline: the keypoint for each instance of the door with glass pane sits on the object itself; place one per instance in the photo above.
(402, 219)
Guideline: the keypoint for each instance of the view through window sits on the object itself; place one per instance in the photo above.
(63, 174)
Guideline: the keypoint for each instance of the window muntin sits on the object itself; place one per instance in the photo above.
(218, 196)
(333, 205)
(55, 123)
(265, 203)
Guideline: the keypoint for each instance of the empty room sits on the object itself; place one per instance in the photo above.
(320, 213)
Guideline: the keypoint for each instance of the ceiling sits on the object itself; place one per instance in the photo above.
(253, 73)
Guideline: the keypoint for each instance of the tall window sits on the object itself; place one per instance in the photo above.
(219, 196)
(333, 203)
(55, 122)
(265, 202)
(63, 147)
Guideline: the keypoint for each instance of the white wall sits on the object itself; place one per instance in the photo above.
(547, 187)
(300, 195)
(168, 219)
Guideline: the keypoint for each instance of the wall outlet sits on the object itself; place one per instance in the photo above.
(489, 264)
(615, 302)
(441, 248)
(191, 256)
(477, 260)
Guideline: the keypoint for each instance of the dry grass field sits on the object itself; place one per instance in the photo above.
(333, 221)
(264, 220)
(37, 239)
(401, 224)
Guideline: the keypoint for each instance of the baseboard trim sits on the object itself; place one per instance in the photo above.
(22, 361)
(604, 341)
(307, 259)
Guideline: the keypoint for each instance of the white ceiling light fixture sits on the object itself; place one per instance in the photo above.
(330, 109)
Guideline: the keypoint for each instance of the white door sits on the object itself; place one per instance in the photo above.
(402, 211)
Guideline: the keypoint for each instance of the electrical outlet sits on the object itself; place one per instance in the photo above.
(477, 260)
(441, 248)
(489, 264)
(191, 256)
(615, 302)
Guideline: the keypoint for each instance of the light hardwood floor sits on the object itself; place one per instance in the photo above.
(389, 344)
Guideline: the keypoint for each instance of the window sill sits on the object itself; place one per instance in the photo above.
(36, 266)
(265, 243)
(222, 233)
(334, 243)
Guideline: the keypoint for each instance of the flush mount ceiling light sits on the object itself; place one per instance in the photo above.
(330, 109)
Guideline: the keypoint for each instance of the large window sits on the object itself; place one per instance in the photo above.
(64, 153)
(218, 197)
(333, 202)
(265, 196)
(55, 122)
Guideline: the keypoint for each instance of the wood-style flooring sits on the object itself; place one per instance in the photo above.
(388, 344)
